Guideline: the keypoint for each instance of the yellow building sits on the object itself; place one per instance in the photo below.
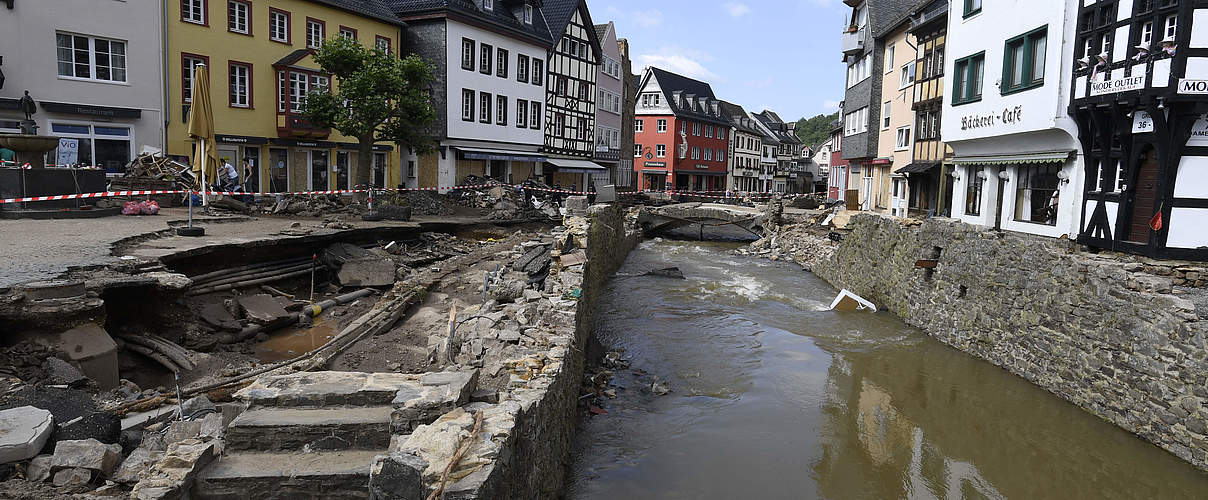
(259, 54)
(896, 127)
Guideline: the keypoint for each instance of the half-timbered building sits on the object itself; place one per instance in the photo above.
(929, 187)
(1140, 98)
(570, 93)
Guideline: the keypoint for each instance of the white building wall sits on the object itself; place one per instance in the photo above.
(508, 136)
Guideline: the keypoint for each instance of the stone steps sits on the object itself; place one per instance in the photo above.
(262, 476)
(311, 429)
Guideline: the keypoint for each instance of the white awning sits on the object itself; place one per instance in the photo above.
(1048, 157)
(576, 166)
(498, 154)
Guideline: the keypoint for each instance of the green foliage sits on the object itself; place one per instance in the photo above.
(815, 130)
(375, 97)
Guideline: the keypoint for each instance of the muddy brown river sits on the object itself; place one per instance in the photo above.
(773, 396)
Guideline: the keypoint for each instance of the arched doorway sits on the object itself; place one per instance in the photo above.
(1145, 196)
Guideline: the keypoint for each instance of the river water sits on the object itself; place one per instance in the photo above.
(773, 396)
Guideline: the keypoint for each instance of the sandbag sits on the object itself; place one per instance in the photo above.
(149, 207)
(131, 208)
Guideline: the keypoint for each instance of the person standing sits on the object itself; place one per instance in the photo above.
(228, 178)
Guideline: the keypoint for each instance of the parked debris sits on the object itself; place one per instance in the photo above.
(847, 301)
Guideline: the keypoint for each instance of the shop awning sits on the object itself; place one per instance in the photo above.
(915, 168)
(576, 166)
(498, 154)
(1048, 157)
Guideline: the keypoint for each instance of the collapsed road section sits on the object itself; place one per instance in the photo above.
(396, 365)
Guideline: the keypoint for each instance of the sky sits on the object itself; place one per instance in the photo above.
(781, 55)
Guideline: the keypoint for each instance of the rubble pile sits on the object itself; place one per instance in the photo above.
(313, 206)
(429, 203)
(807, 244)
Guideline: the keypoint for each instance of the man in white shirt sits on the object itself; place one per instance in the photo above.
(228, 178)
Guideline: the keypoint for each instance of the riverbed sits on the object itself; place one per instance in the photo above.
(773, 396)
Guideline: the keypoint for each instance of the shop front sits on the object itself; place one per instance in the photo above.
(573, 175)
(293, 165)
(90, 136)
(1030, 193)
(500, 165)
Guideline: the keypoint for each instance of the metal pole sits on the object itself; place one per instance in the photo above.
(314, 259)
(180, 397)
(205, 159)
(190, 195)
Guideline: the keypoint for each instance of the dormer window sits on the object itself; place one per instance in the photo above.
(528, 14)
(488, 5)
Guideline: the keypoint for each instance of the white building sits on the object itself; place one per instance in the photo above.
(1010, 129)
(96, 70)
(746, 142)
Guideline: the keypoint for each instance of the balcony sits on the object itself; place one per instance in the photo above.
(852, 42)
(292, 124)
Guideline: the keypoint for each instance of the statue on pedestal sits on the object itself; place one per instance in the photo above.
(29, 107)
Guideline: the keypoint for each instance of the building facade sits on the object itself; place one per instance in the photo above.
(837, 179)
(570, 95)
(929, 187)
(785, 152)
(490, 61)
(610, 102)
(682, 133)
(1018, 166)
(625, 176)
(1140, 98)
(887, 190)
(96, 75)
(746, 142)
(258, 92)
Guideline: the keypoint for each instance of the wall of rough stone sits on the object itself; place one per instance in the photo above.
(1102, 332)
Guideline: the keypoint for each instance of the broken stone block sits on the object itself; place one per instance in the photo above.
(509, 335)
(216, 315)
(193, 406)
(576, 204)
(140, 461)
(91, 348)
(87, 454)
(263, 309)
(38, 469)
(23, 432)
(68, 478)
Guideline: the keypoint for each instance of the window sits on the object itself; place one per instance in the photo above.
(382, 43)
(90, 58)
(637, 150)
(857, 71)
(348, 33)
(521, 113)
(695, 152)
(968, 81)
(316, 31)
(906, 76)
(467, 105)
(239, 17)
(299, 85)
(973, 191)
(1119, 177)
(282, 91)
(193, 11)
(535, 115)
(856, 122)
(467, 54)
(696, 129)
(240, 82)
(708, 154)
(188, 63)
(660, 151)
(1147, 34)
(106, 146)
(709, 131)
(538, 71)
(501, 64)
(278, 25)
(484, 107)
(637, 125)
(1172, 27)
(484, 62)
(488, 5)
(1037, 194)
(889, 58)
(1023, 61)
(560, 85)
(885, 111)
(528, 14)
(501, 110)
(522, 64)
(662, 125)
(411, 170)
(903, 140)
(972, 7)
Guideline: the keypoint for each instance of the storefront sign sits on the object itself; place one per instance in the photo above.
(240, 139)
(702, 167)
(1123, 84)
(84, 109)
(1142, 122)
(659, 164)
(1006, 117)
(1199, 132)
(69, 152)
(1196, 87)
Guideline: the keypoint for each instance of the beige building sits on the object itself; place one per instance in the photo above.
(896, 122)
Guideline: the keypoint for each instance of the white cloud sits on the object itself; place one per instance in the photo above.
(736, 9)
(677, 61)
(830, 105)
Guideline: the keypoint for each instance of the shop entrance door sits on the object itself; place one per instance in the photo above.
(342, 165)
(1144, 198)
(318, 170)
(278, 170)
(250, 168)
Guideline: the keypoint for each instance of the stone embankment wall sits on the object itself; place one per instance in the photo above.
(1104, 333)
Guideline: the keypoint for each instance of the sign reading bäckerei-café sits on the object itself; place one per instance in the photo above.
(1123, 84)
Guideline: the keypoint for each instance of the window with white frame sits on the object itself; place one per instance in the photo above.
(488, 5)
(188, 67)
(708, 154)
(240, 85)
(535, 115)
(467, 54)
(1147, 33)
(239, 14)
(637, 150)
(315, 33)
(501, 110)
(903, 139)
(521, 113)
(856, 122)
(278, 26)
(91, 58)
(1172, 27)
(906, 76)
(538, 71)
(467, 105)
(348, 33)
(696, 129)
(660, 151)
(709, 131)
(484, 107)
(637, 125)
(695, 152)
(857, 71)
(502, 56)
(382, 43)
(885, 112)
(889, 58)
(282, 91)
(299, 85)
(522, 65)
(661, 126)
(528, 14)
(193, 11)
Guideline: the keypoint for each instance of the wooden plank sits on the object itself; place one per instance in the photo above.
(926, 264)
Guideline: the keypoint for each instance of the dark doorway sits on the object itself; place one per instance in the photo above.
(497, 169)
(1144, 197)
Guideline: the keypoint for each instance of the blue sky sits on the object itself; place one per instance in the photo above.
(778, 54)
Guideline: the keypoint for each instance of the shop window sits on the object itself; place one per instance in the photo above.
(1036, 197)
(973, 191)
(1023, 62)
(104, 146)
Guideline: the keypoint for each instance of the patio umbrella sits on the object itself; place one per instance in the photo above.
(201, 129)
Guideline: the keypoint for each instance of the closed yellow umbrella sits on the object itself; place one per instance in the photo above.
(201, 129)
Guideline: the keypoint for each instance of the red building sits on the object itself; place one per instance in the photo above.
(681, 134)
(837, 178)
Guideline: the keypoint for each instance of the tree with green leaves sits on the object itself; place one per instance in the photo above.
(813, 131)
(375, 97)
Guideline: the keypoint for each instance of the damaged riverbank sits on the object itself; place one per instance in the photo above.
(1120, 336)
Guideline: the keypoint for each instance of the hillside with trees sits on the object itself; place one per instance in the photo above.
(816, 129)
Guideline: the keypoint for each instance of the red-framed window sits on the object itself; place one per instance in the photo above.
(347, 32)
(239, 17)
(383, 43)
(316, 32)
(195, 12)
(280, 26)
(239, 85)
(188, 62)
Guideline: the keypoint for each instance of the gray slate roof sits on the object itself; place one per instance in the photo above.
(690, 88)
(502, 16)
(736, 115)
(376, 9)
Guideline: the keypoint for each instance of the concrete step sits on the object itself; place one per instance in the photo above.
(316, 389)
(265, 476)
(311, 429)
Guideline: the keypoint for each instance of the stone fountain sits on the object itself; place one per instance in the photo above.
(17, 181)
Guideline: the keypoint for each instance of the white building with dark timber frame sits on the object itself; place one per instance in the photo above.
(1140, 98)
(570, 95)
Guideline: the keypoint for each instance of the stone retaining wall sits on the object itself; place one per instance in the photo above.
(1105, 334)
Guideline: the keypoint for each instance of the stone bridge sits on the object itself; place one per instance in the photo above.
(703, 221)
